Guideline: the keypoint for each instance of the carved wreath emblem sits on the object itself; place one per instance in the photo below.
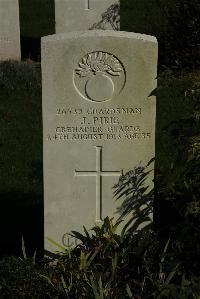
(99, 62)
(99, 76)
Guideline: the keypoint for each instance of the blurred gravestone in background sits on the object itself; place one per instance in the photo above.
(165, 20)
(37, 19)
(9, 30)
(76, 15)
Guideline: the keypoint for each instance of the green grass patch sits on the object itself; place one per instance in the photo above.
(21, 128)
(103, 266)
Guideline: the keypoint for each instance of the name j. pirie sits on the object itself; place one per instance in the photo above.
(101, 120)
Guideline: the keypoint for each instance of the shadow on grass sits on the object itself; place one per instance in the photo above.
(21, 215)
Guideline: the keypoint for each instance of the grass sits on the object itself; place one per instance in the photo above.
(104, 266)
(21, 182)
(21, 123)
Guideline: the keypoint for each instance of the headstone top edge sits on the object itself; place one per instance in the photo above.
(98, 33)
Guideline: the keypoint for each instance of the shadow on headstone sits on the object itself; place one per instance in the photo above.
(110, 16)
(21, 215)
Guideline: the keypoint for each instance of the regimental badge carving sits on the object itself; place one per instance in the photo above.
(99, 76)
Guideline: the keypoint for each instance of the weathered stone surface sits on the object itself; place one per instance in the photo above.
(73, 15)
(9, 30)
(98, 120)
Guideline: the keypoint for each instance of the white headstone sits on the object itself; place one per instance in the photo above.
(9, 30)
(98, 121)
(74, 15)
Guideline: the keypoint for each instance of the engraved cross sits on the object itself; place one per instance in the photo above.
(98, 173)
(87, 4)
